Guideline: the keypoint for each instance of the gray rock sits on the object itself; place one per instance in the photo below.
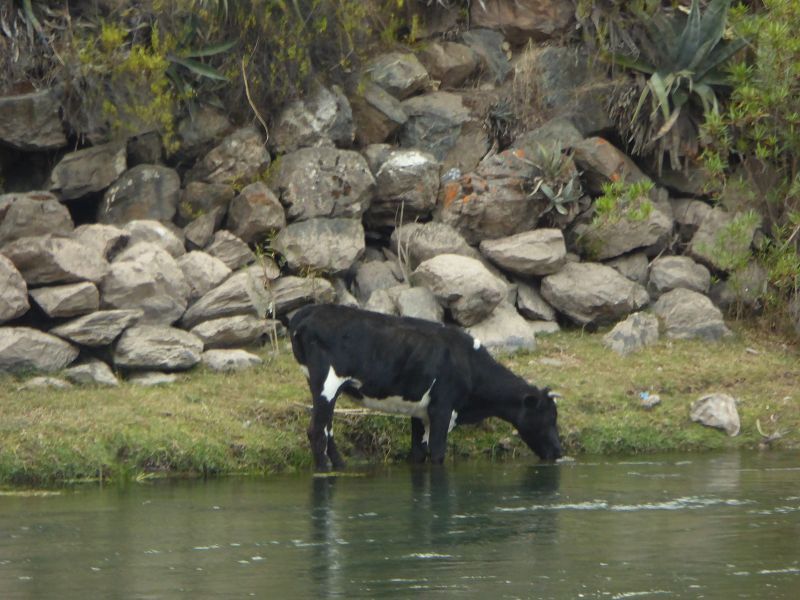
(635, 266)
(687, 314)
(449, 63)
(200, 130)
(406, 187)
(590, 293)
(151, 347)
(632, 334)
(199, 199)
(99, 328)
(324, 117)
(145, 149)
(380, 301)
(68, 300)
(743, 291)
(531, 305)
(689, 215)
(417, 242)
(13, 293)
(537, 252)
(246, 292)
(106, 240)
(92, 372)
(231, 250)
(488, 45)
(434, 123)
(376, 114)
(146, 230)
(233, 332)
(553, 136)
(33, 214)
(145, 276)
(544, 327)
(601, 163)
(200, 232)
(89, 170)
(49, 260)
(323, 182)
(325, 245)
(42, 382)
(419, 303)
(24, 349)
(255, 213)
(524, 21)
(588, 109)
(151, 378)
(343, 295)
(722, 238)
(716, 410)
(202, 272)
(462, 285)
(238, 159)
(373, 276)
(289, 293)
(229, 360)
(143, 192)
(400, 74)
(672, 272)
(31, 122)
(504, 330)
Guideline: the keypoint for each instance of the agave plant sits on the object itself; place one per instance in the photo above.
(680, 66)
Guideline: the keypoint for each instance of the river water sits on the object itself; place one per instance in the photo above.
(673, 526)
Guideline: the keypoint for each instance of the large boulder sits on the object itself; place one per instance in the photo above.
(200, 130)
(601, 163)
(449, 63)
(89, 170)
(462, 285)
(143, 192)
(199, 199)
(371, 276)
(202, 272)
(407, 183)
(255, 213)
(493, 202)
(672, 272)
(33, 214)
(490, 47)
(531, 305)
(523, 20)
(91, 372)
(145, 276)
(237, 160)
(552, 136)
(537, 252)
(68, 300)
(99, 328)
(590, 293)
(200, 232)
(233, 332)
(326, 245)
(246, 292)
(504, 330)
(107, 240)
(687, 314)
(323, 182)
(689, 214)
(723, 239)
(419, 303)
(376, 114)
(322, 118)
(400, 74)
(146, 347)
(48, 260)
(637, 331)
(147, 230)
(635, 266)
(718, 411)
(24, 349)
(231, 250)
(289, 293)
(13, 292)
(417, 242)
(434, 123)
(32, 122)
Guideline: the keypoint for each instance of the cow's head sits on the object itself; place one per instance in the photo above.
(538, 423)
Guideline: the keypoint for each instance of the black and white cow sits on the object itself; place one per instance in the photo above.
(438, 375)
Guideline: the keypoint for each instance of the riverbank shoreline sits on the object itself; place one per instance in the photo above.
(253, 422)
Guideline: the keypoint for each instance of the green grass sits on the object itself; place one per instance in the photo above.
(254, 422)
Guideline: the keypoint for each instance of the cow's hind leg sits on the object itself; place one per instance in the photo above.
(419, 444)
(324, 385)
(318, 429)
(333, 452)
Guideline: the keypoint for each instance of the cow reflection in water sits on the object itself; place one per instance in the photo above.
(368, 523)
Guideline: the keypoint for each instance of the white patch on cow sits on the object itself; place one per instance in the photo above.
(427, 435)
(332, 384)
(329, 432)
(304, 371)
(476, 344)
(453, 418)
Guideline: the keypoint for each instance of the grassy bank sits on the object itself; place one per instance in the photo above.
(254, 422)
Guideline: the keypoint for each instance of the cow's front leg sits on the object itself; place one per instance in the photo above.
(419, 443)
(333, 452)
(318, 432)
(439, 427)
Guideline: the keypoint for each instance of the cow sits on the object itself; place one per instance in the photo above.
(436, 374)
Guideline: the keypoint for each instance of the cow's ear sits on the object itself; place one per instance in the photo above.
(532, 400)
